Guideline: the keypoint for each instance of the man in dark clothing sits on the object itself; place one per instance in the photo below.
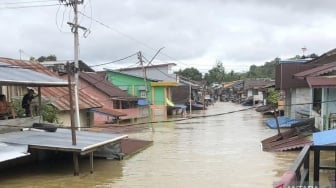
(26, 101)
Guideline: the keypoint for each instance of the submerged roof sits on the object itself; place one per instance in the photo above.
(16, 75)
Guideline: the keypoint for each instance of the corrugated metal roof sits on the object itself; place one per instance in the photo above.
(59, 94)
(98, 80)
(322, 82)
(16, 75)
(12, 151)
(150, 66)
(317, 71)
(61, 140)
(248, 84)
(325, 137)
(108, 112)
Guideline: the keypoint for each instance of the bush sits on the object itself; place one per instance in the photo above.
(49, 113)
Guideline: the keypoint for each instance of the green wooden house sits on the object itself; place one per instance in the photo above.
(152, 92)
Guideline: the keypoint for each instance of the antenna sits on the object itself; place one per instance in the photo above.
(304, 49)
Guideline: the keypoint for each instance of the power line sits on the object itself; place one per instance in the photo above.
(26, 2)
(30, 6)
(130, 37)
(115, 61)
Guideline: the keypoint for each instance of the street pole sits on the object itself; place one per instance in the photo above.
(190, 106)
(76, 63)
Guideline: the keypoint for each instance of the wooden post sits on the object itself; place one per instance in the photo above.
(76, 165)
(316, 167)
(91, 162)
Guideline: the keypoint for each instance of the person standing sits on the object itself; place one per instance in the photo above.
(26, 102)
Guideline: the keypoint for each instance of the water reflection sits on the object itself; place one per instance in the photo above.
(217, 151)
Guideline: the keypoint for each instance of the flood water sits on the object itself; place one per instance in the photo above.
(216, 151)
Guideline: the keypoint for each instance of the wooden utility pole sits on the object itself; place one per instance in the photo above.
(144, 74)
(74, 29)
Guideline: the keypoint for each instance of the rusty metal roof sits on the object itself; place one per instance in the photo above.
(259, 83)
(60, 95)
(108, 112)
(321, 82)
(317, 71)
(99, 81)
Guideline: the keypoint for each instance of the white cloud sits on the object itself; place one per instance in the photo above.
(194, 33)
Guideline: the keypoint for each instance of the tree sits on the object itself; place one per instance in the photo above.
(190, 73)
(48, 58)
(216, 74)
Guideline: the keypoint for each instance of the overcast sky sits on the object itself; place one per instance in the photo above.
(192, 33)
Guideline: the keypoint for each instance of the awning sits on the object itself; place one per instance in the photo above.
(321, 82)
(15, 75)
(325, 137)
(107, 112)
(12, 151)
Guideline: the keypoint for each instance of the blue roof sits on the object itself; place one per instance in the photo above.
(324, 137)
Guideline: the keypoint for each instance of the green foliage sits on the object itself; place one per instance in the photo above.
(16, 105)
(191, 73)
(216, 74)
(49, 113)
(48, 58)
(273, 97)
(265, 71)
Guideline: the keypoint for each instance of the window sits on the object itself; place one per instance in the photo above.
(317, 98)
(143, 94)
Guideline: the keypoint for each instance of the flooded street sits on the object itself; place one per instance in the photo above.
(214, 151)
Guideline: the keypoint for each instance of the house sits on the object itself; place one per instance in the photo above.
(294, 92)
(163, 72)
(232, 91)
(153, 92)
(118, 105)
(56, 96)
(322, 84)
(254, 90)
(308, 86)
(185, 91)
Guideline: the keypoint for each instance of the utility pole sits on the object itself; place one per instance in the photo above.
(74, 29)
(76, 63)
(143, 70)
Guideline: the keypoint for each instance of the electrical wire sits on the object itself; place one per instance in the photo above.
(17, 5)
(26, 2)
(115, 61)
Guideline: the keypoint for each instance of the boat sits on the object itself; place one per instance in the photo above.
(196, 106)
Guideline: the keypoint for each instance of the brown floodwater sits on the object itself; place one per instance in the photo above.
(216, 151)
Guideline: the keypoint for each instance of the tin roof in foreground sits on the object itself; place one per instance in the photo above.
(15, 75)
(61, 140)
